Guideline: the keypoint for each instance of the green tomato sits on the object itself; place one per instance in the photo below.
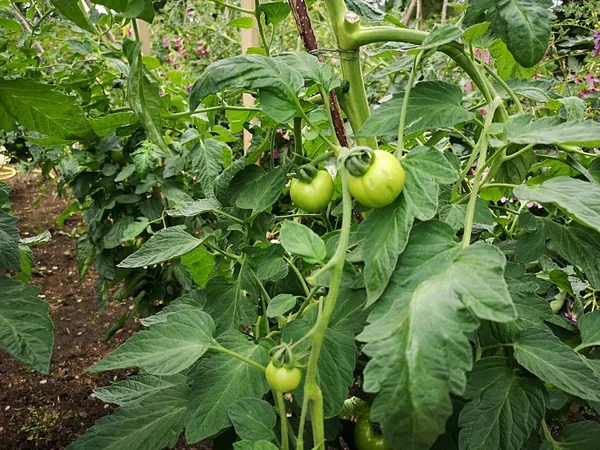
(366, 438)
(381, 184)
(314, 196)
(283, 379)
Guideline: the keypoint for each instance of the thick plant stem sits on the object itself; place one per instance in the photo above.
(354, 102)
(278, 396)
(313, 397)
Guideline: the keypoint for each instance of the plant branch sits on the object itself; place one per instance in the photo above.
(219, 349)
(234, 7)
(409, 84)
(482, 146)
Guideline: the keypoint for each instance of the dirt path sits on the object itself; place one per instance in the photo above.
(50, 411)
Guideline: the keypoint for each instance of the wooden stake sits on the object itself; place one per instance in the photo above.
(249, 39)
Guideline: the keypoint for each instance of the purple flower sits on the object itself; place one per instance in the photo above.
(275, 153)
(188, 88)
(166, 42)
(571, 318)
(596, 43)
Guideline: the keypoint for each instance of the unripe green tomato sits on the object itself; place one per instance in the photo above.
(312, 197)
(283, 379)
(381, 184)
(365, 437)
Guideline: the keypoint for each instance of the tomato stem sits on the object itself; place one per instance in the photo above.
(405, 100)
(219, 349)
(279, 401)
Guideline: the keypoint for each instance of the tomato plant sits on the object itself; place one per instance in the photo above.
(460, 310)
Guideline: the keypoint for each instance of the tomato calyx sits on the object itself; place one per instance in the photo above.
(307, 173)
(359, 160)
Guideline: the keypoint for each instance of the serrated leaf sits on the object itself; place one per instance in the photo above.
(432, 105)
(254, 445)
(552, 130)
(166, 244)
(551, 360)
(385, 234)
(154, 422)
(196, 207)
(227, 304)
(10, 257)
(417, 339)
(212, 393)
(368, 9)
(441, 35)
(275, 12)
(524, 26)
(130, 9)
(280, 304)
(199, 263)
(580, 199)
(589, 326)
(312, 69)
(301, 241)
(137, 387)
(582, 435)
(38, 107)
(242, 22)
(207, 160)
(503, 409)
(278, 84)
(253, 419)
(26, 330)
(261, 194)
(166, 348)
(72, 10)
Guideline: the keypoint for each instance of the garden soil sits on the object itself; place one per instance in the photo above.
(39, 411)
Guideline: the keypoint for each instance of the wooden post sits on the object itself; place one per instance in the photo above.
(144, 37)
(249, 39)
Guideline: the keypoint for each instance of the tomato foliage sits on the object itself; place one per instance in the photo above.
(437, 289)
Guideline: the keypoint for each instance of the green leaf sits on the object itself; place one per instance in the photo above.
(278, 84)
(551, 360)
(195, 208)
(10, 25)
(475, 31)
(578, 245)
(254, 445)
(261, 194)
(580, 199)
(426, 167)
(114, 235)
(143, 92)
(476, 11)
(368, 9)
(312, 69)
(253, 419)
(385, 234)
(551, 130)
(242, 22)
(10, 257)
(524, 26)
(503, 409)
(166, 244)
(207, 161)
(192, 300)
(301, 241)
(506, 65)
(154, 422)
(417, 339)
(38, 107)
(432, 105)
(280, 304)
(227, 304)
(166, 348)
(218, 381)
(84, 253)
(589, 326)
(130, 9)
(199, 263)
(582, 435)
(72, 10)
(275, 12)
(137, 387)
(441, 35)
(26, 330)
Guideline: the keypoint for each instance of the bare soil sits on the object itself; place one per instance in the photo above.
(48, 412)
